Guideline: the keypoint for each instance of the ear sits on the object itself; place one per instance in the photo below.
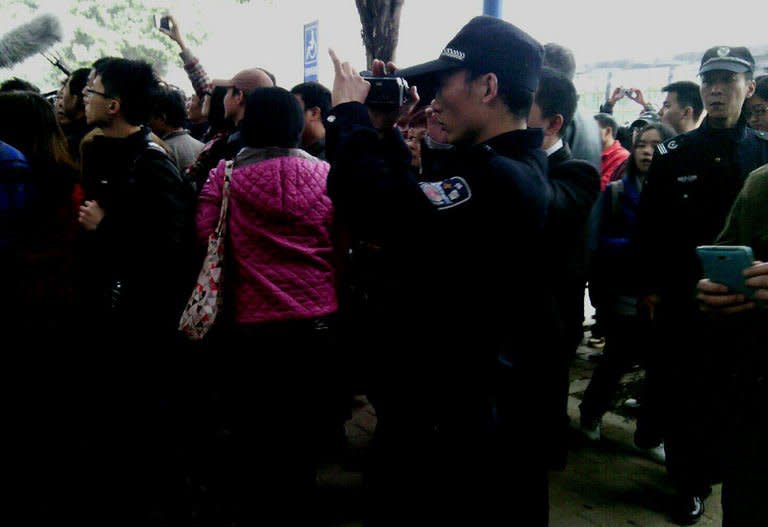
(751, 86)
(114, 106)
(490, 83)
(314, 114)
(555, 124)
(688, 112)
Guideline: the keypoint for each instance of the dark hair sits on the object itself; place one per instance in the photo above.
(273, 117)
(517, 100)
(688, 94)
(560, 59)
(133, 83)
(170, 105)
(314, 94)
(761, 87)
(17, 84)
(216, 120)
(604, 120)
(29, 124)
(556, 95)
(77, 81)
(665, 131)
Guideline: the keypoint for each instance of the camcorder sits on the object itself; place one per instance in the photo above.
(387, 92)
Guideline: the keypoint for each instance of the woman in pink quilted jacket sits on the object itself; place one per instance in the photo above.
(280, 296)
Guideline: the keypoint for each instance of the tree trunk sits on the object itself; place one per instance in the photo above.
(381, 27)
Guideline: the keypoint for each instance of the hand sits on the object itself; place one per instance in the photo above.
(348, 85)
(90, 215)
(174, 33)
(636, 95)
(717, 298)
(648, 304)
(617, 95)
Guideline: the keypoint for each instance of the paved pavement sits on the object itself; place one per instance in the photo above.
(607, 484)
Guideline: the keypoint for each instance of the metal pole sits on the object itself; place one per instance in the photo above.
(492, 8)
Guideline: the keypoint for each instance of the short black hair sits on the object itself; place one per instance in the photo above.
(314, 94)
(560, 59)
(273, 117)
(517, 100)
(604, 120)
(556, 95)
(688, 94)
(170, 105)
(216, 113)
(17, 84)
(77, 81)
(133, 83)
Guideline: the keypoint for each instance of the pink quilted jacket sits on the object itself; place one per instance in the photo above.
(280, 263)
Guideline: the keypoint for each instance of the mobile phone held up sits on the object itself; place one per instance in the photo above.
(165, 22)
(725, 264)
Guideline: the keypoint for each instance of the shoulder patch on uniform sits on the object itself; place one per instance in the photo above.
(669, 145)
(447, 193)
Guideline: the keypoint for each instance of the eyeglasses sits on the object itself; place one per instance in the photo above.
(89, 92)
(757, 111)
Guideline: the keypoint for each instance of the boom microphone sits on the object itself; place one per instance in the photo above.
(35, 36)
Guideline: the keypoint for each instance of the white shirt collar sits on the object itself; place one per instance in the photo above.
(554, 148)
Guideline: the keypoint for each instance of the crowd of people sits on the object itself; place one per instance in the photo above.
(431, 254)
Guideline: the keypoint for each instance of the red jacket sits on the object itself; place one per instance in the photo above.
(611, 158)
(280, 261)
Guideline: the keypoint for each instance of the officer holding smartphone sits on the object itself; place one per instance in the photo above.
(692, 184)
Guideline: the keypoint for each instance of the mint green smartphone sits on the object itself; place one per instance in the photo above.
(725, 264)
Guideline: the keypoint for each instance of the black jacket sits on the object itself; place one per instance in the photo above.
(141, 249)
(574, 185)
(463, 252)
(691, 186)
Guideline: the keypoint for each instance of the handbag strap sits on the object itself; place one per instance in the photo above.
(223, 212)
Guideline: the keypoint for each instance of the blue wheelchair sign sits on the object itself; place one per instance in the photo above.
(310, 51)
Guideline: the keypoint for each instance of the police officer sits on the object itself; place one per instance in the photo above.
(693, 181)
(454, 370)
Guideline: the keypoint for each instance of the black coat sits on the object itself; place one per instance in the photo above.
(139, 254)
(692, 184)
(464, 264)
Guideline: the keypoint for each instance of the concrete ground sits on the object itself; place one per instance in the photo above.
(606, 484)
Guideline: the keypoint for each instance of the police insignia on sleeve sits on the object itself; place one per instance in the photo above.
(447, 193)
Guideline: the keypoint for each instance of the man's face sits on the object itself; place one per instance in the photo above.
(456, 107)
(232, 104)
(671, 113)
(758, 113)
(724, 93)
(97, 103)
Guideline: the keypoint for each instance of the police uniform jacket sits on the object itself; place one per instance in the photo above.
(692, 184)
(463, 250)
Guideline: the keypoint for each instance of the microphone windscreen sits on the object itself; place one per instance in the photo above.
(30, 38)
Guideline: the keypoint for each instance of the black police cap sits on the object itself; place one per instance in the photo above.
(736, 60)
(487, 45)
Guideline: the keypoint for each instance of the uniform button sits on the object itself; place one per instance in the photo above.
(685, 196)
(717, 160)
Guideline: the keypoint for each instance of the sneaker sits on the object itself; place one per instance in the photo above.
(596, 342)
(656, 454)
(590, 429)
